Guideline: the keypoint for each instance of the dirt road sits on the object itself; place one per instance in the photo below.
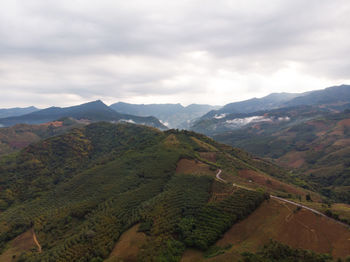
(36, 241)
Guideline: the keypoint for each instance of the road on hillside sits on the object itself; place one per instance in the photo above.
(285, 200)
(36, 241)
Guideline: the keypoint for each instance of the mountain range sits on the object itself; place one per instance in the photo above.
(92, 111)
(236, 115)
(337, 97)
(17, 111)
(172, 115)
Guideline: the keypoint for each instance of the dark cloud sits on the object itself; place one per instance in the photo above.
(169, 51)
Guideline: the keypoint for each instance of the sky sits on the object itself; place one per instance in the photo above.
(67, 52)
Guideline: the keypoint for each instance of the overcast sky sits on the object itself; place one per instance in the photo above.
(68, 52)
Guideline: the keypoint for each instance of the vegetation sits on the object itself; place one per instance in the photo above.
(275, 251)
(81, 190)
(313, 143)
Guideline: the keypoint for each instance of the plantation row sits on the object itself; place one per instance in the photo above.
(212, 220)
(81, 191)
(181, 217)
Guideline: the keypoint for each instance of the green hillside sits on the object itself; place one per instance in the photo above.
(318, 149)
(14, 138)
(77, 193)
(80, 191)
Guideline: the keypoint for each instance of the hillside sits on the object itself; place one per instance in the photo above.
(93, 111)
(299, 229)
(173, 115)
(317, 149)
(16, 137)
(77, 193)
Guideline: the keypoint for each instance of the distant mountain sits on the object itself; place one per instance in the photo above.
(92, 111)
(336, 97)
(237, 115)
(274, 118)
(172, 115)
(272, 101)
(17, 111)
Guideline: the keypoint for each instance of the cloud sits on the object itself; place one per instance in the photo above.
(66, 52)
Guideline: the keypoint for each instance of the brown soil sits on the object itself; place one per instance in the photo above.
(292, 159)
(281, 222)
(20, 244)
(301, 229)
(342, 142)
(269, 182)
(343, 123)
(54, 123)
(128, 245)
(192, 255)
(189, 166)
(210, 156)
(220, 191)
(320, 125)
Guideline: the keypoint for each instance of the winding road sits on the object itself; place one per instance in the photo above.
(285, 200)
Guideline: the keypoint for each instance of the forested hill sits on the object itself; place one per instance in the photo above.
(80, 191)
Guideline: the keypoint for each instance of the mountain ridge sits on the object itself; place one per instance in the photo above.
(93, 111)
(17, 111)
(272, 101)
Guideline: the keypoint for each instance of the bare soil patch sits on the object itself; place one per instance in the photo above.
(128, 245)
(20, 244)
(194, 167)
(209, 156)
(292, 159)
(269, 182)
(299, 229)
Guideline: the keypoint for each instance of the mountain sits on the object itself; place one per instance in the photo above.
(128, 192)
(309, 105)
(173, 115)
(272, 101)
(336, 97)
(17, 137)
(92, 111)
(17, 111)
(272, 118)
(318, 148)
